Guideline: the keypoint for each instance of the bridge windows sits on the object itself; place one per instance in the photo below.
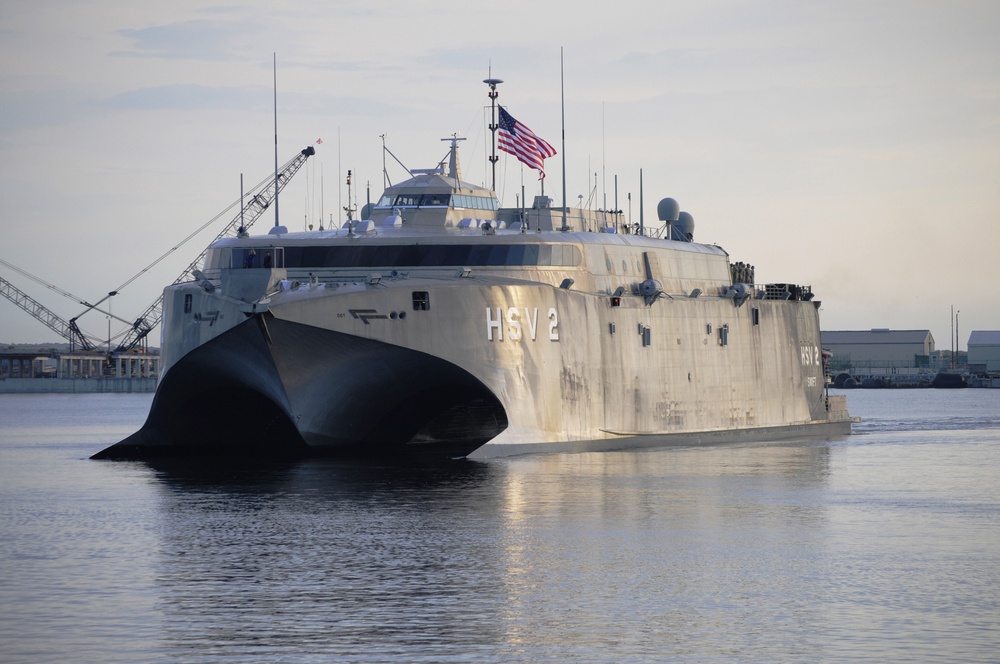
(462, 201)
(432, 255)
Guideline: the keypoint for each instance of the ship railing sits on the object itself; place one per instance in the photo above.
(793, 292)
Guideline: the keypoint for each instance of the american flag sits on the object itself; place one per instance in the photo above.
(521, 142)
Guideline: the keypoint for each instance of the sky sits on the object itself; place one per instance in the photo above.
(853, 146)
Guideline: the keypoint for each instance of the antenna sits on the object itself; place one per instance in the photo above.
(642, 225)
(385, 173)
(562, 102)
(604, 165)
(617, 211)
(275, 70)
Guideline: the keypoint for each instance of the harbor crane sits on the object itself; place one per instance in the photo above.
(249, 213)
(260, 199)
(67, 329)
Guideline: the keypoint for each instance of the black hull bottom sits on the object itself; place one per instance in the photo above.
(270, 388)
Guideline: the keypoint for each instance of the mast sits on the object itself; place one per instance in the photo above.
(958, 345)
(562, 103)
(493, 94)
(642, 218)
(454, 168)
(952, 340)
(276, 188)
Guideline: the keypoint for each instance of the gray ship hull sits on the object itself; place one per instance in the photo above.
(422, 329)
(492, 367)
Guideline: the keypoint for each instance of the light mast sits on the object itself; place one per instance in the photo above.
(493, 94)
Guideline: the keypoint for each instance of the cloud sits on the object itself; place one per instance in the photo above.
(255, 99)
(199, 39)
(30, 110)
(185, 97)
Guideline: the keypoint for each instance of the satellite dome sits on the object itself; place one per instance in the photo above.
(667, 209)
(685, 225)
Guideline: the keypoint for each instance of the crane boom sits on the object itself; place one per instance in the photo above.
(249, 213)
(55, 288)
(66, 329)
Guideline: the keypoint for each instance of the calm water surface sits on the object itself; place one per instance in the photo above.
(882, 546)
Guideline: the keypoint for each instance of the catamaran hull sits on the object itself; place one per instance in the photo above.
(486, 370)
(274, 387)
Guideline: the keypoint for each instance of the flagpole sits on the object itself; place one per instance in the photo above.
(562, 102)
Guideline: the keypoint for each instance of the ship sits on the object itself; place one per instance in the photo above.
(441, 324)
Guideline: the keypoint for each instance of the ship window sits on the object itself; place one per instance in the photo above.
(247, 259)
(434, 199)
(428, 255)
(421, 301)
(385, 255)
(407, 200)
(385, 201)
(187, 303)
(755, 315)
(431, 255)
(515, 255)
(498, 255)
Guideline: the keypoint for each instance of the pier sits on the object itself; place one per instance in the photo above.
(40, 370)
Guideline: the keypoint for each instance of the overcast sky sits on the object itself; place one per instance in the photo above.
(853, 146)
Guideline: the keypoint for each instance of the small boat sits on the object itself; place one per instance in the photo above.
(949, 379)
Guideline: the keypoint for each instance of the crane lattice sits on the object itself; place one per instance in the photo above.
(249, 214)
(67, 329)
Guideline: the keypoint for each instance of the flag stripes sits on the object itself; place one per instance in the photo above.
(516, 139)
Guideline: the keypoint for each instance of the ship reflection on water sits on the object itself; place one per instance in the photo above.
(357, 558)
(878, 546)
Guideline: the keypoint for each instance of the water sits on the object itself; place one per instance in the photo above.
(884, 546)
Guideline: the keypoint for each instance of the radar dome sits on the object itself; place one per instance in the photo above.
(667, 209)
(685, 224)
